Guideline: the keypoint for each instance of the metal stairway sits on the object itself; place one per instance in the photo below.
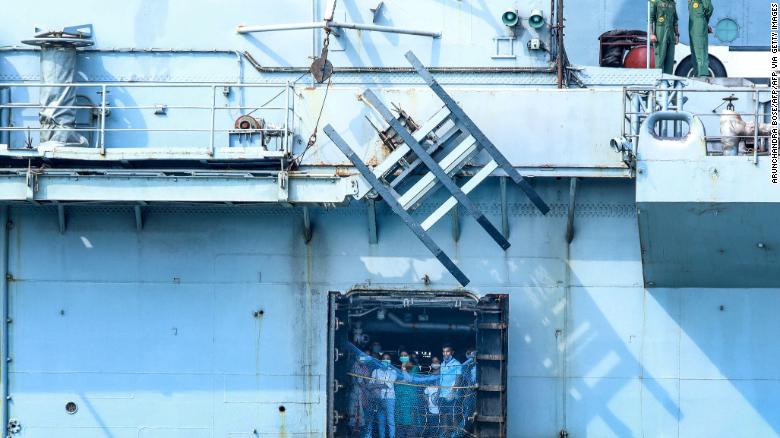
(454, 138)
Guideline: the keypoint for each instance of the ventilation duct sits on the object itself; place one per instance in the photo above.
(59, 61)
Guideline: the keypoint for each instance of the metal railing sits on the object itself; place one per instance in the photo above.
(672, 95)
(15, 113)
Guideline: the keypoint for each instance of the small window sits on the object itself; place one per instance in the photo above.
(71, 407)
(727, 30)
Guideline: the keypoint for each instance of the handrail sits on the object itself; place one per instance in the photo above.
(279, 116)
(144, 84)
(640, 102)
(672, 116)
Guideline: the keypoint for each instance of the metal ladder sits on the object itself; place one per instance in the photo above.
(452, 136)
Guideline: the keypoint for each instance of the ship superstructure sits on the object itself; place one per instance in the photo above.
(213, 208)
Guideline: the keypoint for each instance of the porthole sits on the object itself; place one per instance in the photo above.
(71, 407)
(727, 30)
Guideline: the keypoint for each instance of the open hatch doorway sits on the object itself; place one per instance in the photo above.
(417, 364)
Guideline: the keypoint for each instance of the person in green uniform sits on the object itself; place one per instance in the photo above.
(699, 13)
(664, 33)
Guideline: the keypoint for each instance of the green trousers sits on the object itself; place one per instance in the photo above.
(697, 28)
(664, 53)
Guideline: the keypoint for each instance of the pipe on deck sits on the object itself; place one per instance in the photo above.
(335, 25)
(5, 354)
(433, 326)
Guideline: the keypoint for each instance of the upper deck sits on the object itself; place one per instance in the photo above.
(238, 118)
(159, 101)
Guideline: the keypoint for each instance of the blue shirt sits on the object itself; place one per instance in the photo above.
(448, 376)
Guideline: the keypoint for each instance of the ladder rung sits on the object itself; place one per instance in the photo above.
(469, 125)
(389, 195)
(470, 185)
(387, 165)
(452, 162)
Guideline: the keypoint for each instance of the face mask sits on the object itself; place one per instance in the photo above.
(404, 359)
(376, 349)
(435, 366)
(386, 362)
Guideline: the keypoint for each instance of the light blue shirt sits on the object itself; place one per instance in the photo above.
(448, 376)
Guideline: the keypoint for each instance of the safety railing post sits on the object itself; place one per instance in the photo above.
(625, 117)
(103, 120)
(755, 129)
(664, 85)
(213, 111)
(651, 101)
(287, 117)
(678, 105)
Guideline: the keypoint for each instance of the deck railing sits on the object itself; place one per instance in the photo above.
(670, 95)
(113, 116)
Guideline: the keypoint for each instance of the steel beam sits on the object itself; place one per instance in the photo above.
(307, 232)
(390, 196)
(472, 128)
(372, 228)
(139, 218)
(51, 187)
(61, 219)
(570, 215)
(504, 208)
(434, 167)
(5, 354)
(455, 223)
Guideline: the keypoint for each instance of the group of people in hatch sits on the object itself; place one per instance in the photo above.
(403, 395)
(664, 33)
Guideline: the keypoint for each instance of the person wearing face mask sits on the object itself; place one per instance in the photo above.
(449, 377)
(470, 396)
(431, 393)
(384, 378)
(405, 397)
(435, 365)
(358, 397)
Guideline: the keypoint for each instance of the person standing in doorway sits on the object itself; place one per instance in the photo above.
(405, 399)
(699, 14)
(358, 397)
(469, 380)
(664, 33)
(385, 377)
(430, 427)
(449, 378)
